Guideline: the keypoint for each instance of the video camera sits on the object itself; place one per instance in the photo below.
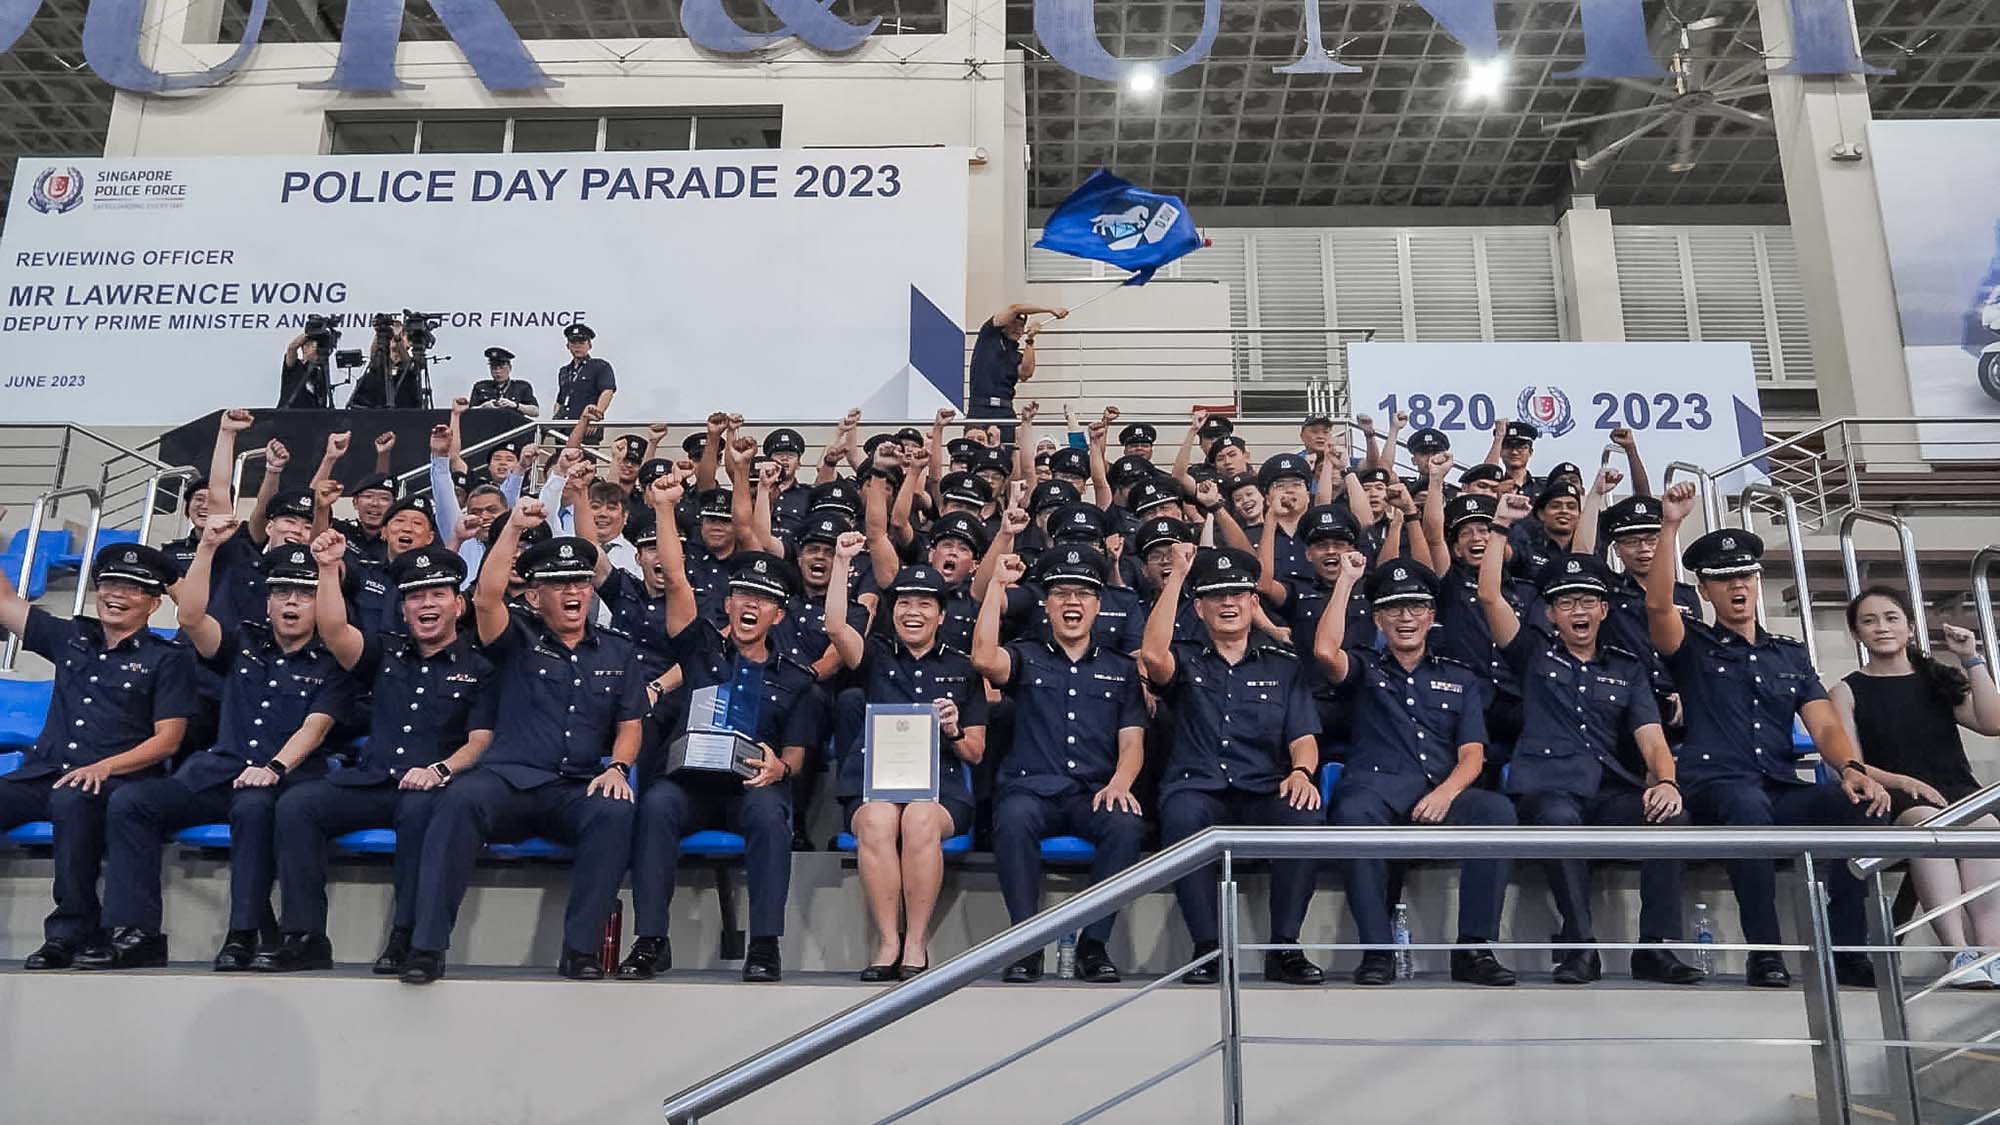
(320, 330)
(421, 329)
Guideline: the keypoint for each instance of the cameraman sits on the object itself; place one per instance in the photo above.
(392, 381)
(302, 381)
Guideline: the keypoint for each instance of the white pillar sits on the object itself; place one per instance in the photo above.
(1822, 125)
(1591, 297)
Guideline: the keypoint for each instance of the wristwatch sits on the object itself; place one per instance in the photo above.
(624, 771)
(442, 771)
(277, 767)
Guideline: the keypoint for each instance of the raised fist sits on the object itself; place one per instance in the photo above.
(440, 441)
(1607, 479)
(717, 422)
(1513, 507)
(276, 456)
(529, 514)
(1623, 439)
(1009, 570)
(850, 544)
(337, 443)
(235, 421)
(944, 415)
(664, 492)
(1678, 504)
(385, 441)
(460, 405)
(329, 548)
(219, 528)
(1014, 521)
(593, 414)
(658, 430)
(1353, 565)
(1183, 559)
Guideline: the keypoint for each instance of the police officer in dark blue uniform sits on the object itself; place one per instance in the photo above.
(1121, 615)
(773, 702)
(1464, 635)
(236, 575)
(1632, 528)
(1244, 748)
(1419, 747)
(1003, 356)
(1517, 448)
(1138, 439)
(957, 542)
(1550, 531)
(1742, 687)
(708, 561)
(568, 692)
(585, 380)
(898, 850)
(502, 391)
(282, 695)
(431, 719)
(1153, 545)
(119, 709)
(1079, 743)
(1582, 700)
(1329, 534)
(793, 499)
(1285, 481)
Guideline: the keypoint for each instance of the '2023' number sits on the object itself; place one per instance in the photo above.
(860, 181)
(1661, 412)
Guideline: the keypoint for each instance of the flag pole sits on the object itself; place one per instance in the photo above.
(1083, 304)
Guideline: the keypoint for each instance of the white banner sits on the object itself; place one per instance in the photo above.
(783, 284)
(1942, 219)
(1683, 402)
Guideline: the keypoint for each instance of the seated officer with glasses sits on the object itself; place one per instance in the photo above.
(1419, 748)
(568, 693)
(1079, 743)
(1244, 747)
(1582, 700)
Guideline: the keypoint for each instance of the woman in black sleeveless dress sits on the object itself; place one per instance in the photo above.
(1904, 710)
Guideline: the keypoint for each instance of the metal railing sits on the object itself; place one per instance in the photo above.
(37, 516)
(1983, 564)
(1795, 546)
(1906, 544)
(1827, 1038)
(1854, 462)
(1278, 370)
(40, 457)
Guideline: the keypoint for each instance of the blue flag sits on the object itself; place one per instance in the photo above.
(1109, 220)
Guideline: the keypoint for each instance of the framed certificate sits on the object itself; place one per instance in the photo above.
(899, 753)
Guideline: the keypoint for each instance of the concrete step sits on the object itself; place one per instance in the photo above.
(1868, 1109)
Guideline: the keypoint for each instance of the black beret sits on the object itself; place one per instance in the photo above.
(557, 559)
(784, 440)
(715, 504)
(1324, 521)
(427, 566)
(1154, 532)
(1072, 461)
(294, 502)
(375, 482)
(826, 527)
(579, 331)
(1285, 466)
(1223, 570)
(842, 494)
(1634, 515)
(497, 356)
(763, 574)
(1428, 440)
(1401, 581)
(966, 489)
(1574, 574)
(148, 568)
(963, 526)
(1468, 507)
(1050, 494)
(291, 565)
(1724, 554)
(1071, 565)
(1138, 433)
(1077, 521)
(1520, 433)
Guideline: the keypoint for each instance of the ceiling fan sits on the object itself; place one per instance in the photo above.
(1693, 90)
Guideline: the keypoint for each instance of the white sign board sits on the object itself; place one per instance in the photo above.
(1684, 402)
(782, 284)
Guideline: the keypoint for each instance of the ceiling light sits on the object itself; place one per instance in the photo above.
(1484, 78)
(1143, 80)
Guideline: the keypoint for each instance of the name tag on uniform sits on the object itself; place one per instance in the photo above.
(1447, 685)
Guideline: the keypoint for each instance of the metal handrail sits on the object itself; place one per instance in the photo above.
(1208, 847)
(1971, 808)
(1850, 567)
(422, 472)
(1705, 485)
(11, 651)
(153, 483)
(1796, 547)
(1983, 563)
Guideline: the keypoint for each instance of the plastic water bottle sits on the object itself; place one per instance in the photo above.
(1066, 957)
(1406, 966)
(1704, 934)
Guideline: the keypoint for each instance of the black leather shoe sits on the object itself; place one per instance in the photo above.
(296, 952)
(1206, 974)
(52, 955)
(394, 954)
(1479, 966)
(800, 841)
(761, 963)
(1661, 965)
(650, 957)
(580, 966)
(1854, 970)
(1377, 967)
(1579, 966)
(1093, 963)
(880, 974)
(1291, 966)
(1027, 970)
(1767, 970)
(128, 948)
(239, 948)
(422, 966)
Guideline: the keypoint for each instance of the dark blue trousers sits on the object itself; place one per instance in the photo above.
(1020, 821)
(478, 806)
(1569, 879)
(1185, 812)
(1758, 803)
(145, 813)
(1482, 883)
(79, 845)
(312, 814)
(670, 808)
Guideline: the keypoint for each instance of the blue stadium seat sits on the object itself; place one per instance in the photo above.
(1801, 741)
(713, 844)
(53, 542)
(1328, 775)
(35, 833)
(1067, 849)
(534, 847)
(368, 841)
(24, 707)
(70, 559)
(204, 836)
(954, 846)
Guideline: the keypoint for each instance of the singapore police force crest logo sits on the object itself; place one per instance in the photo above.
(1548, 408)
(57, 190)
(1143, 221)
